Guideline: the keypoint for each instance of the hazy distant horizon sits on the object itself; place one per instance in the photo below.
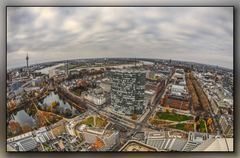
(24, 65)
(194, 34)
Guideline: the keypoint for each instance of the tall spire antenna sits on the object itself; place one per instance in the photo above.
(27, 58)
(135, 62)
(67, 67)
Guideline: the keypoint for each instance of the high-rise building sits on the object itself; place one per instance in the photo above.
(127, 91)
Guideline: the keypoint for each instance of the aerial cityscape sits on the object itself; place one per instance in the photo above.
(135, 95)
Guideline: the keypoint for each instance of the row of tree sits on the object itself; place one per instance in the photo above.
(194, 97)
(199, 99)
(201, 95)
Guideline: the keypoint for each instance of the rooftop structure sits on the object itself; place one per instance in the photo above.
(166, 140)
(10, 148)
(43, 135)
(195, 139)
(23, 142)
(101, 139)
(177, 94)
(216, 144)
(64, 142)
(226, 123)
(133, 146)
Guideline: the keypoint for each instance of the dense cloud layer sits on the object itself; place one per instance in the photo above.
(200, 34)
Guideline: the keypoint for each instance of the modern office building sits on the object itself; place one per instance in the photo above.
(127, 91)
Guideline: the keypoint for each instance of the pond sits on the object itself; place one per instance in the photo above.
(23, 118)
(22, 121)
(56, 104)
(30, 117)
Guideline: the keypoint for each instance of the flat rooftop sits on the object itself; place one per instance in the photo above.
(167, 134)
(133, 146)
(216, 144)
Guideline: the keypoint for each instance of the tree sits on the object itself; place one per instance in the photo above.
(134, 116)
(189, 127)
(173, 111)
(67, 112)
(154, 121)
(194, 97)
(197, 118)
(14, 127)
(167, 110)
(54, 104)
(26, 128)
(57, 110)
(209, 121)
(49, 108)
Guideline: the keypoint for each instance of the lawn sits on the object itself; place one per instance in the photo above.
(100, 122)
(172, 116)
(180, 126)
(88, 121)
(185, 127)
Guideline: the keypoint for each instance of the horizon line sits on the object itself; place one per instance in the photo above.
(120, 58)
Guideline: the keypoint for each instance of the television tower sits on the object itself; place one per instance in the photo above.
(27, 58)
(135, 63)
(67, 68)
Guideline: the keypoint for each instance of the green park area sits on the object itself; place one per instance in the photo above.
(100, 122)
(185, 127)
(172, 116)
(88, 121)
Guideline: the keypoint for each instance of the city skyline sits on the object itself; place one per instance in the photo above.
(197, 34)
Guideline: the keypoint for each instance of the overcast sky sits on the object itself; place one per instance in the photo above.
(199, 34)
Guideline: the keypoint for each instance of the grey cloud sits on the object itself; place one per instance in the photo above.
(176, 33)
